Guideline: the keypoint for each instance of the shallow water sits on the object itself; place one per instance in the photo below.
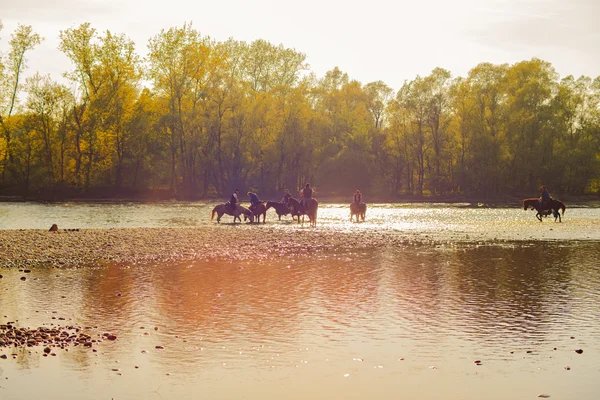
(386, 323)
(462, 222)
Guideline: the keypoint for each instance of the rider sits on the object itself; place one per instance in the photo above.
(254, 200)
(544, 196)
(233, 201)
(307, 193)
(357, 197)
(286, 197)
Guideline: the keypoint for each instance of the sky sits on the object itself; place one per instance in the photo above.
(391, 41)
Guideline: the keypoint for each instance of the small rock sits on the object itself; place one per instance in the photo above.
(23, 278)
(159, 347)
(544, 396)
(567, 368)
(578, 351)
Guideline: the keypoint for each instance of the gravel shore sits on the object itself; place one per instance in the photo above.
(21, 248)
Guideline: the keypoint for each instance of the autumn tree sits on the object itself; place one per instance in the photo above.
(12, 67)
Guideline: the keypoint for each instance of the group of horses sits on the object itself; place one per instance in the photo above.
(310, 207)
(293, 207)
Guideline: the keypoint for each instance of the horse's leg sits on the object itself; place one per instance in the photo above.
(538, 216)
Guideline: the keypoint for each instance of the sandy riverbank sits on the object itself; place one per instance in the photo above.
(20, 248)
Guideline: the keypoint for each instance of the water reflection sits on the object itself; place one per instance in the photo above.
(342, 325)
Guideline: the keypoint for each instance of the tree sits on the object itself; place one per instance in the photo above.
(22, 40)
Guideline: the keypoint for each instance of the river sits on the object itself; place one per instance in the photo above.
(494, 286)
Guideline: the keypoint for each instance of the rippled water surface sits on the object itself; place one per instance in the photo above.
(377, 324)
(367, 324)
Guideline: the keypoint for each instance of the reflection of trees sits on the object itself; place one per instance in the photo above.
(346, 290)
(219, 300)
(418, 281)
(491, 291)
(507, 290)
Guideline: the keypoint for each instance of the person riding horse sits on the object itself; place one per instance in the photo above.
(286, 197)
(233, 201)
(544, 197)
(307, 194)
(357, 197)
(254, 200)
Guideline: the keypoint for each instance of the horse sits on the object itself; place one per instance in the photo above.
(553, 206)
(259, 209)
(280, 208)
(310, 210)
(226, 209)
(358, 209)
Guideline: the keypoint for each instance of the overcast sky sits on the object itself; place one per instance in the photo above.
(392, 41)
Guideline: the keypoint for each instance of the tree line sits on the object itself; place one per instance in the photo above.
(197, 118)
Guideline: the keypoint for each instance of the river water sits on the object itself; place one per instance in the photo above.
(517, 295)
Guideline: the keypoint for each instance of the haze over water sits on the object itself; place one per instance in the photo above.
(402, 322)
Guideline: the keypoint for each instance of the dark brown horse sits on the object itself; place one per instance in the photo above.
(280, 208)
(553, 207)
(358, 210)
(310, 210)
(259, 209)
(226, 209)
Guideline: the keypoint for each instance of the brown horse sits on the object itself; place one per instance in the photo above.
(226, 209)
(259, 209)
(310, 210)
(280, 208)
(553, 207)
(358, 210)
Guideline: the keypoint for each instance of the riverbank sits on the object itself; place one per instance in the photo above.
(592, 199)
(22, 248)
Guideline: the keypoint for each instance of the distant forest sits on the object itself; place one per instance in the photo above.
(198, 117)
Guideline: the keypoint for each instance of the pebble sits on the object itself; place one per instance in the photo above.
(136, 245)
(578, 351)
(55, 337)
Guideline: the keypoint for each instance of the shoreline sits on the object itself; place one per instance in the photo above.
(68, 248)
(500, 202)
(224, 242)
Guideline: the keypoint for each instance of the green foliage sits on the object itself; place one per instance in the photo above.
(219, 115)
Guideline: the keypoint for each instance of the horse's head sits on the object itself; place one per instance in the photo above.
(249, 215)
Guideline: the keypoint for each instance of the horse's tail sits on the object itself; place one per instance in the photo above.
(214, 211)
(563, 208)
